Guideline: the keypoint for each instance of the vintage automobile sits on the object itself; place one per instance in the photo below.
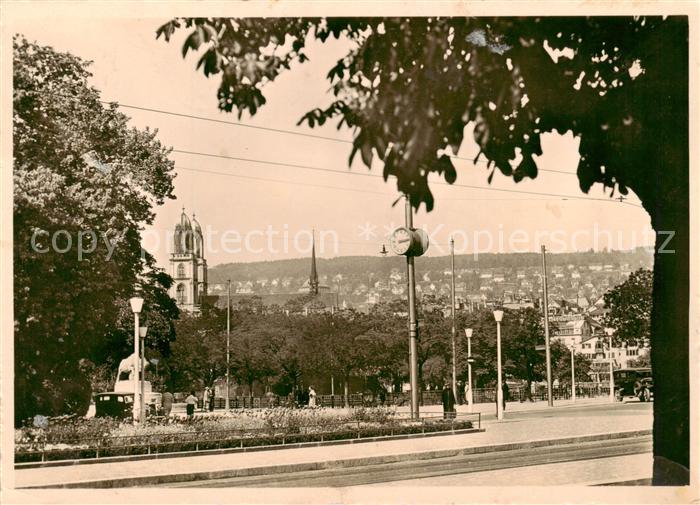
(114, 404)
(634, 383)
(120, 405)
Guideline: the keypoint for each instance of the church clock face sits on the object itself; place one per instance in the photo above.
(400, 241)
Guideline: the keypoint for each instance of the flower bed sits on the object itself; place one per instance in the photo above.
(79, 438)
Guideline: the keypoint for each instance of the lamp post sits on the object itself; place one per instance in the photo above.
(470, 395)
(136, 306)
(228, 341)
(573, 376)
(452, 310)
(610, 332)
(498, 316)
(143, 330)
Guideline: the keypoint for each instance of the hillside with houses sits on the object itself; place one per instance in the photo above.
(358, 281)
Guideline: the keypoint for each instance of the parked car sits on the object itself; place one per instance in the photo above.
(121, 404)
(634, 383)
(114, 405)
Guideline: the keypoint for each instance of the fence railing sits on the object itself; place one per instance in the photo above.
(520, 394)
(481, 395)
(189, 441)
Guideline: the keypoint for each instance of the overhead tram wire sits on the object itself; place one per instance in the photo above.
(320, 137)
(282, 130)
(379, 193)
(365, 174)
(266, 179)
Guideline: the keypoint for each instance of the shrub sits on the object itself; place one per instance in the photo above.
(71, 437)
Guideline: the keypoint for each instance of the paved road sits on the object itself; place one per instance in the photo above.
(421, 472)
(634, 469)
(602, 409)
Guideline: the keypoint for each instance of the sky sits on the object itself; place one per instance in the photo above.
(252, 211)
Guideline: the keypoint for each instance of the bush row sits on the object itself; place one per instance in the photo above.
(157, 445)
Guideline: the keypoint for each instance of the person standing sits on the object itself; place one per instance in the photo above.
(168, 400)
(205, 399)
(312, 397)
(212, 396)
(448, 403)
(506, 395)
(467, 389)
(191, 402)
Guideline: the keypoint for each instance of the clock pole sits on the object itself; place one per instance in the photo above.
(412, 319)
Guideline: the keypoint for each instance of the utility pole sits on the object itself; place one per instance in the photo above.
(454, 345)
(573, 376)
(228, 340)
(412, 319)
(550, 400)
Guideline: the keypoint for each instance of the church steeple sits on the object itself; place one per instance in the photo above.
(188, 268)
(313, 278)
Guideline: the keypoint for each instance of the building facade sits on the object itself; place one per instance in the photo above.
(188, 267)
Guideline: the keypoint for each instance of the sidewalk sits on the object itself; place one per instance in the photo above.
(560, 422)
(489, 409)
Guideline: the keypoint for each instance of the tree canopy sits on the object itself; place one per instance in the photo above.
(85, 183)
(409, 86)
(629, 307)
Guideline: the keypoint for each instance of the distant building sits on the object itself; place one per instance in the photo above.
(571, 330)
(188, 267)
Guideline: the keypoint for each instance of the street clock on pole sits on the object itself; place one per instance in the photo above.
(405, 241)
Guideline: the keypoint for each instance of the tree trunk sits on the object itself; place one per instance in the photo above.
(670, 349)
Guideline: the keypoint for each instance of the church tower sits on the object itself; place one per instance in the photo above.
(188, 267)
(313, 278)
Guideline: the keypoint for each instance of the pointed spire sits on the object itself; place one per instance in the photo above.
(313, 278)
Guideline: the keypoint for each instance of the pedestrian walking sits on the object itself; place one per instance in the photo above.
(168, 400)
(212, 396)
(312, 397)
(506, 395)
(190, 403)
(449, 410)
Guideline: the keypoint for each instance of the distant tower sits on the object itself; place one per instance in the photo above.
(188, 267)
(313, 278)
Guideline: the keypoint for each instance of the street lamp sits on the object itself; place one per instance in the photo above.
(470, 394)
(142, 366)
(498, 316)
(610, 332)
(136, 306)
